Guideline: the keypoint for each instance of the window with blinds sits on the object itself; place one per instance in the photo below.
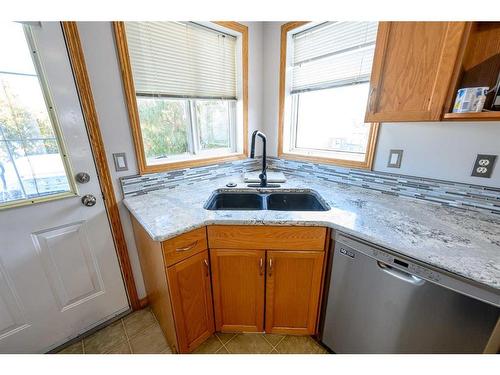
(182, 59)
(329, 66)
(333, 54)
(185, 78)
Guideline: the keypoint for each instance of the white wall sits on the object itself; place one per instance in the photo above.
(271, 78)
(102, 64)
(442, 150)
(255, 72)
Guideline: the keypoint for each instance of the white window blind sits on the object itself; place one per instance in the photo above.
(180, 59)
(332, 54)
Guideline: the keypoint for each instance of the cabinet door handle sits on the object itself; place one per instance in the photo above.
(261, 266)
(205, 261)
(270, 267)
(188, 247)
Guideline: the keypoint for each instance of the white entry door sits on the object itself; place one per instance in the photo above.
(59, 272)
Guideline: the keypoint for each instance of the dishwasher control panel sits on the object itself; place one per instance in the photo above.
(425, 273)
(403, 265)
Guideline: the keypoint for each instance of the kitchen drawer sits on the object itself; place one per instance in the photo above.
(266, 237)
(184, 245)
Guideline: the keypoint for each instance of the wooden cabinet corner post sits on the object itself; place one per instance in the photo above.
(155, 281)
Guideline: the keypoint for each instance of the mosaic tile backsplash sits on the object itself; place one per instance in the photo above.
(464, 196)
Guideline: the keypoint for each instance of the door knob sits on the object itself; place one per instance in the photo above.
(89, 200)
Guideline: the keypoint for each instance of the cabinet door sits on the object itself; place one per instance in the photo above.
(191, 296)
(238, 284)
(412, 70)
(293, 291)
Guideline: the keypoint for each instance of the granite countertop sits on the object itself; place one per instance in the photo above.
(463, 242)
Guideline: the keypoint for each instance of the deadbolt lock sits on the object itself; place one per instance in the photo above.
(82, 177)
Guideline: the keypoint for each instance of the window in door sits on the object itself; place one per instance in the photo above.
(188, 101)
(326, 81)
(33, 165)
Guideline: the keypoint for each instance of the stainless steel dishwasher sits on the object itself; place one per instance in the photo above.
(382, 302)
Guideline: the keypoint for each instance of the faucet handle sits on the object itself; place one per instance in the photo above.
(263, 179)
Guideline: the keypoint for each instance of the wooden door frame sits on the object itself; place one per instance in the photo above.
(82, 82)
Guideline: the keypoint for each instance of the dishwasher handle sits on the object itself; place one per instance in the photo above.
(401, 275)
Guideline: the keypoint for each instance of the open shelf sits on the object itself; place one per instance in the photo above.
(471, 116)
(479, 67)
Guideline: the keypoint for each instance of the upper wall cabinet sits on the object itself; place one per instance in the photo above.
(413, 69)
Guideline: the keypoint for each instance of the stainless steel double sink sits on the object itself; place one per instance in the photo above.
(276, 201)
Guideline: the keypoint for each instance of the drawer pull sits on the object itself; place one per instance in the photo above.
(187, 248)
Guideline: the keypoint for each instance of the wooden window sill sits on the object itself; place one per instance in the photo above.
(192, 163)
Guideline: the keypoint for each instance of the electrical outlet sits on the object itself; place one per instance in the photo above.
(395, 157)
(483, 167)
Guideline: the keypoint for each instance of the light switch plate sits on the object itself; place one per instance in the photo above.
(483, 167)
(120, 162)
(395, 157)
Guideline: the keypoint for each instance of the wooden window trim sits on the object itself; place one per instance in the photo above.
(77, 60)
(372, 139)
(128, 87)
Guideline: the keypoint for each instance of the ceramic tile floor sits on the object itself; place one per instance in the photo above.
(136, 333)
(259, 343)
(139, 333)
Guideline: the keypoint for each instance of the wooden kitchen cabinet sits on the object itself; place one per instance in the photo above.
(177, 281)
(238, 278)
(191, 296)
(413, 69)
(293, 288)
(233, 279)
(286, 272)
